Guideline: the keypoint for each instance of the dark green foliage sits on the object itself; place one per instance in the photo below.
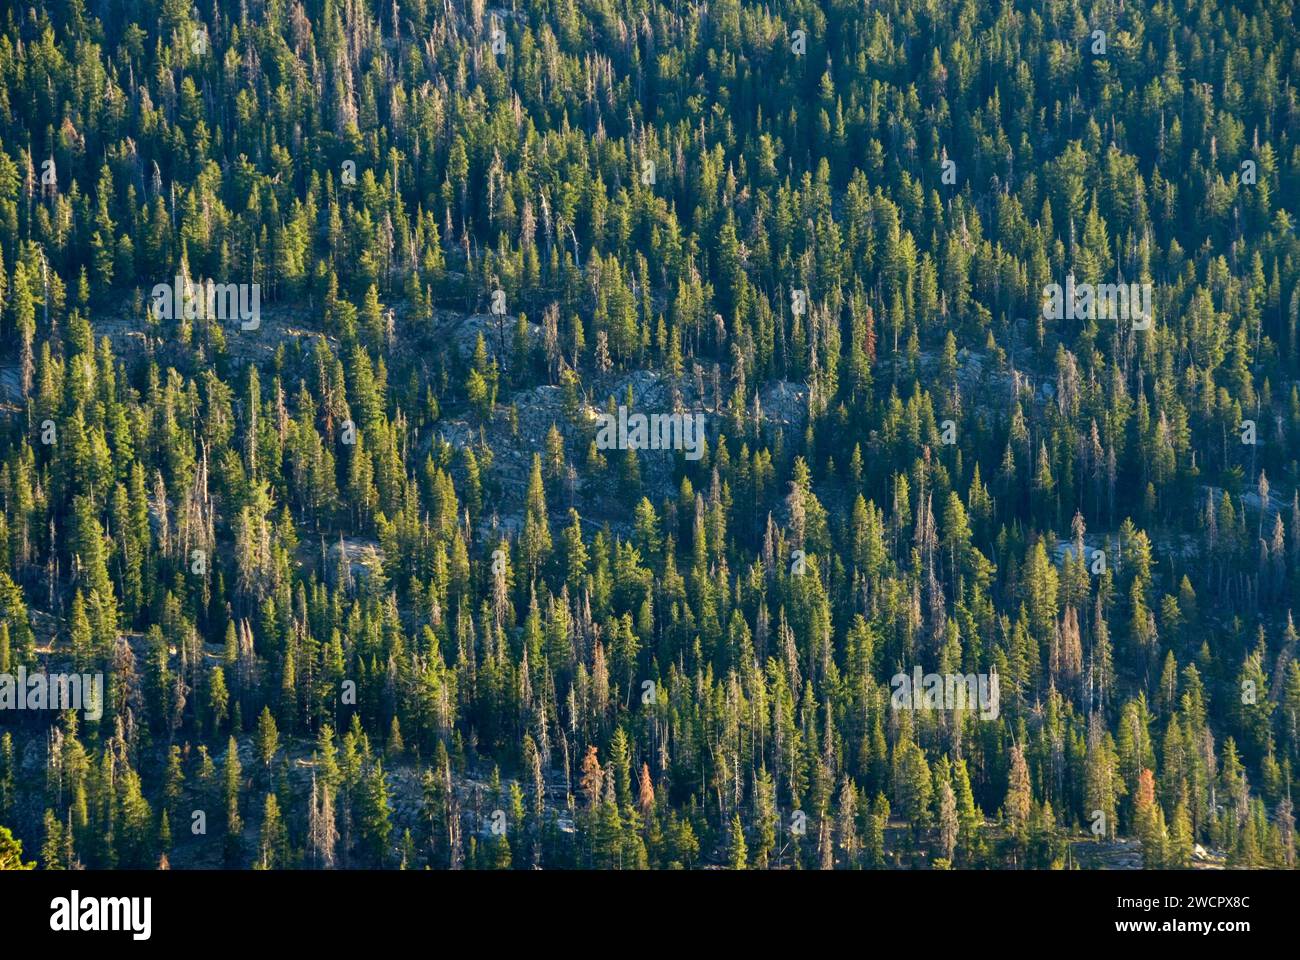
(382, 509)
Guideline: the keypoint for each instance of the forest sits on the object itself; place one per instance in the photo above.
(649, 434)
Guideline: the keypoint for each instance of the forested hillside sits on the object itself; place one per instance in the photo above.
(366, 578)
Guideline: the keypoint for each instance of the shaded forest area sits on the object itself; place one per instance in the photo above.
(364, 588)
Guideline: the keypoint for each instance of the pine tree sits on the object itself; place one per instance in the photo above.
(1019, 794)
(322, 835)
(11, 852)
(376, 815)
(535, 540)
(273, 842)
(737, 851)
(268, 738)
(234, 781)
(52, 849)
(949, 826)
